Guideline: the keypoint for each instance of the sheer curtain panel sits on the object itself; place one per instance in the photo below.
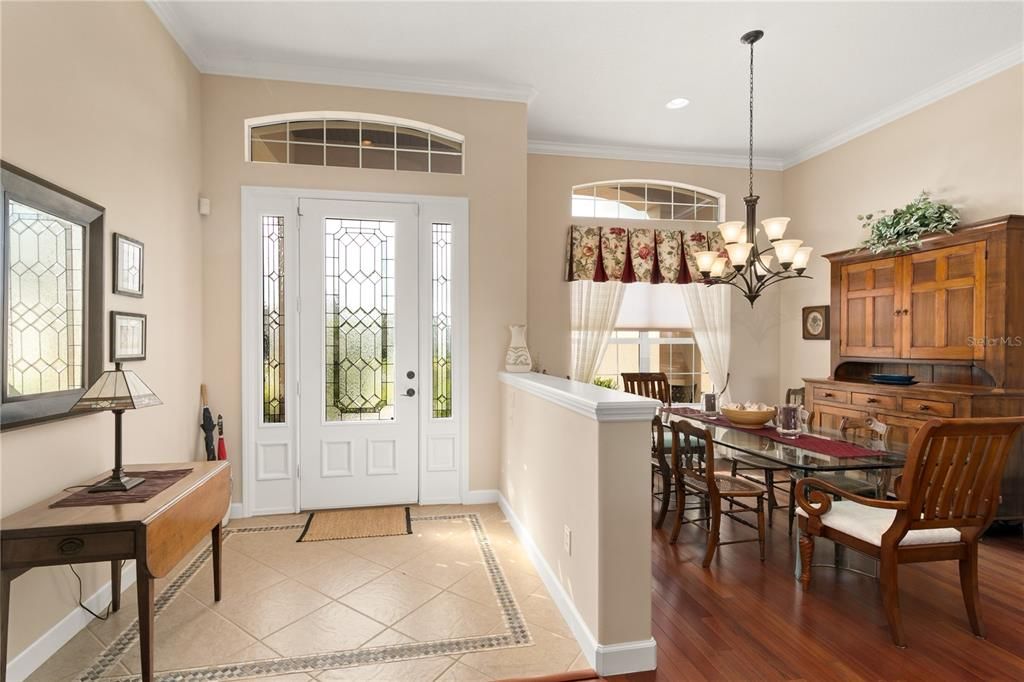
(594, 309)
(709, 309)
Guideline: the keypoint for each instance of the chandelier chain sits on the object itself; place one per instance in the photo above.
(750, 149)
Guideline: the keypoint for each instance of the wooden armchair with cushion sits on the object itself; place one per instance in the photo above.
(946, 499)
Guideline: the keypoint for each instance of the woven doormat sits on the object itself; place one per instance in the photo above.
(368, 522)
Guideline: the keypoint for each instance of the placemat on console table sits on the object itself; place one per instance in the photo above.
(155, 482)
(820, 445)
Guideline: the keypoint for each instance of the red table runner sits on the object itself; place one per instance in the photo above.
(822, 446)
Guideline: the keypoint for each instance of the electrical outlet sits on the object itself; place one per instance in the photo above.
(567, 540)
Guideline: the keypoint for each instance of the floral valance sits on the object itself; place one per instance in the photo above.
(642, 254)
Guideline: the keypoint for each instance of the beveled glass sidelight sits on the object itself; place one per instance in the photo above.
(273, 319)
(441, 320)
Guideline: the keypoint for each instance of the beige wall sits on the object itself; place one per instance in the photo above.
(97, 98)
(494, 182)
(551, 178)
(967, 149)
(560, 468)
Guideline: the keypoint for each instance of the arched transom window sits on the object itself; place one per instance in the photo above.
(353, 140)
(646, 200)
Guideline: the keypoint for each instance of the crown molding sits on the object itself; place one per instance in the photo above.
(179, 29)
(623, 153)
(327, 75)
(951, 85)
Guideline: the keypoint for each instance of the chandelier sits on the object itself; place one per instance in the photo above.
(748, 267)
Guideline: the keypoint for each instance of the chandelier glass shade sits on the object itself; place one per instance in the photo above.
(749, 267)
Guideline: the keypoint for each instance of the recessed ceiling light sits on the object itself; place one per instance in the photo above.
(677, 103)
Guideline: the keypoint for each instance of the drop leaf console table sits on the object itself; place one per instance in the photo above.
(949, 312)
(156, 534)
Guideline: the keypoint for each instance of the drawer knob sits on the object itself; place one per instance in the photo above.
(923, 408)
(828, 395)
(69, 546)
(872, 401)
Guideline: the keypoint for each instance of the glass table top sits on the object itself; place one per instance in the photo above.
(794, 457)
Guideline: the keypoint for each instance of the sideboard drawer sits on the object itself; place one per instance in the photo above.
(882, 402)
(933, 408)
(73, 548)
(831, 394)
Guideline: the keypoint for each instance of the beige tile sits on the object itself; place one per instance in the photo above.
(70, 659)
(271, 520)
(388, 638)
(341, 574)
(462, 673)
(267, 611)
(293, 677)
(392, 550)
(280, 551)
(539, 608)
(477, 585)
(448, 616)
(335, 627)
(241, 575)
(441, 567)
(390, 597)
(416, 670)
(548, 654)
(189, 635)
(254, 652)
(580, 663)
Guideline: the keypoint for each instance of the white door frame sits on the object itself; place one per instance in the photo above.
(440, 481)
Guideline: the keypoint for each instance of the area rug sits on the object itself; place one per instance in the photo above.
(345, 524)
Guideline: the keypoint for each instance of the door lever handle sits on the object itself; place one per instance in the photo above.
(409, 393)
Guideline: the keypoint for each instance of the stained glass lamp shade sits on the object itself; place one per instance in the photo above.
(116, 390)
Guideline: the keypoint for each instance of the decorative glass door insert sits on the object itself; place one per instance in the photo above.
(359, 331)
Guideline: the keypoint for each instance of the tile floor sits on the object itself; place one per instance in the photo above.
(426, 606)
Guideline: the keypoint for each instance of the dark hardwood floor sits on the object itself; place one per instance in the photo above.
(744, 620)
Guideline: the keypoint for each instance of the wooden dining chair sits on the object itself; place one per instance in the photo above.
(693, 462)
(947, 498)
(655, 385)
(795, 396)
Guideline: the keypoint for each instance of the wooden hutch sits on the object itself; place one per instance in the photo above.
(951, 313)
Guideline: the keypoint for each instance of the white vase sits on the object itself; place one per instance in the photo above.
(517, 358)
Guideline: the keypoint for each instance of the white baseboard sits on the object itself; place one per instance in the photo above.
(37, 653)
(237, 510)
(480, 497)
(606, 659)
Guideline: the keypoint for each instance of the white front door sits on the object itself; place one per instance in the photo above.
(359, 394)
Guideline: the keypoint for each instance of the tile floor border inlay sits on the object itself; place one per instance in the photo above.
(518, 635)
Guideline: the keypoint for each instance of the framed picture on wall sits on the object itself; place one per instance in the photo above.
(128, 273)
(816, 322)
(127, 336)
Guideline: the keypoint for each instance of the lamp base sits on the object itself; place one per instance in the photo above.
(116, 485)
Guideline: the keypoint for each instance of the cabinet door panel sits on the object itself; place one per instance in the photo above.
(944, 303)
(901, 429)
(828, 417)
(870, 298)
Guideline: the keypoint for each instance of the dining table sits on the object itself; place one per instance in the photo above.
(813, 451)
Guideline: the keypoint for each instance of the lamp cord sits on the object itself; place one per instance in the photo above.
(106, 611)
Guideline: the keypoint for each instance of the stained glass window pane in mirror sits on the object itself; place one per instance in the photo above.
(45, 295)
(441, 321)
(273, 320)
(359, 325)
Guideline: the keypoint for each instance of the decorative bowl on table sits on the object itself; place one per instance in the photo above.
(748, 416)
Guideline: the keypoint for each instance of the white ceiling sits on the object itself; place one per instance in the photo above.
(597, 75)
